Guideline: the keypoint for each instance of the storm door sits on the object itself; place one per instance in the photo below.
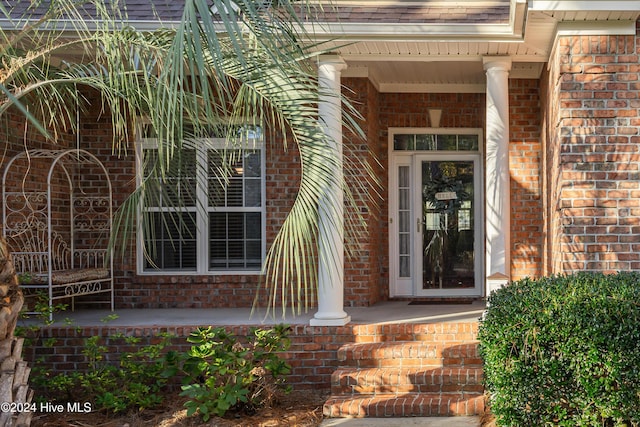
(447, 215)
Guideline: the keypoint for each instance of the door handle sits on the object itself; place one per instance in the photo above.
(419, 225)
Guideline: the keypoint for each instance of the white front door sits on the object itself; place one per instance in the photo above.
(435, 221)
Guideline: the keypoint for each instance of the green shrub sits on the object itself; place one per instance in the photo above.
(564, 351)
(222, 374)
(135, 383)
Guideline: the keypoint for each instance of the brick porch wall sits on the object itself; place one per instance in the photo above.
(593, 161)
(312, 354)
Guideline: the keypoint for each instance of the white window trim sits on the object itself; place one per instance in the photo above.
(202, 261)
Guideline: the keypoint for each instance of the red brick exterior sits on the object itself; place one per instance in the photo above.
(366, 266)
(526, 187)
(364, 274)
(591, 137)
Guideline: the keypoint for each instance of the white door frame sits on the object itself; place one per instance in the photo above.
(408, 160)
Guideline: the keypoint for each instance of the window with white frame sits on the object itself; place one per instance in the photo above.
(209, 212)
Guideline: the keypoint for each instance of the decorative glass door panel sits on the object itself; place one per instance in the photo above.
(446, 222)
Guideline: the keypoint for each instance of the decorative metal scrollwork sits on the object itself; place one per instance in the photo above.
(77, 289)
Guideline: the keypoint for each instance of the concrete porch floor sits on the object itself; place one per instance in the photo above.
(382, 313)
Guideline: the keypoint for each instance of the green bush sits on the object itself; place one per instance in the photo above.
(221, 374)
(135, 383)
(564, 351)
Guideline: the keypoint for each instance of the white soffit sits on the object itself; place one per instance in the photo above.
(433, 77)
(584, 5)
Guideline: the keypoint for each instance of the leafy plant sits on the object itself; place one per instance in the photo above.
(135, 382)
(222, 374)
(30, 328)
(564, 351)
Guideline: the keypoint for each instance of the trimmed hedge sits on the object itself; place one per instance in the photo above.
(564, 351)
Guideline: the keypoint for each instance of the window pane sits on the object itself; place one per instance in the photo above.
(252, 163)
(468, 142)
(403, 142)
(404, 222)
(217, 195)
(171, 241)
(447, 142)
(426, 142)
(404, 266)
(253, 192)
(404, 244)
(235, 240)
(254, 225)
(254, 254)
(234, 192)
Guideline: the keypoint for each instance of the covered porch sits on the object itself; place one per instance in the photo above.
(382, 313)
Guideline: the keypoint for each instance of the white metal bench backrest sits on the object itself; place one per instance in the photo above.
(30, 249)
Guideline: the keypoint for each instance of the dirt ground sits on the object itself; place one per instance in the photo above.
(299, 408)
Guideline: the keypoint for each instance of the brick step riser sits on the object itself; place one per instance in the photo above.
(451, 339)
(383, 381)
(410, 405)
(426, 363)
(409, 355)
(400, 390)
(452, 333)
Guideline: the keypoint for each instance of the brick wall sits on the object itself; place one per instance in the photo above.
(524, 163)
(363, 286)
(362, 276)
(593, 163)
(312, 354)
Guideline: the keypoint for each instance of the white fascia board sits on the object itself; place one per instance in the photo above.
(364, 31)
(432, 3)
(71, 25)
(584, 5)
(596, 28)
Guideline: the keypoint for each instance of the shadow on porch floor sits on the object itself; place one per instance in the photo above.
(381, 313)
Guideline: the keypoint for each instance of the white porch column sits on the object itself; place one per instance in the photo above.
(331, 209)
(498, 209)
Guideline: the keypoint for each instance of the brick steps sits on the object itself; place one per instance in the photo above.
(409, 370)
(408, 405)
(400, 381)
(409, 354)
